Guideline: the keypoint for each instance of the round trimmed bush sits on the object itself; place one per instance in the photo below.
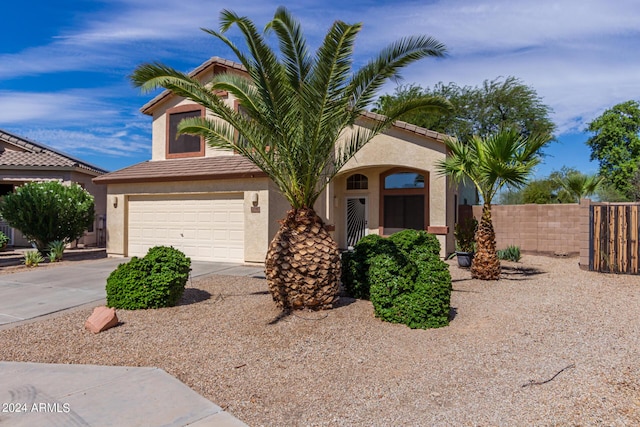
(403, 276)
(156, 280)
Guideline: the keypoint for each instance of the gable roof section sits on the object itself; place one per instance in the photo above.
(188, 169)
(37, 155)
(225, 63)
(212, 62)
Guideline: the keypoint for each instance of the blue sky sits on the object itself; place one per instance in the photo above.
(64, 65)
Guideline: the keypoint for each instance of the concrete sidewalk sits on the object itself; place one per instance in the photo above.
(84, 395)
(34, 394)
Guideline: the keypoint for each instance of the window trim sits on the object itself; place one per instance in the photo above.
(404, 192)
(182, 109)
(365, 180)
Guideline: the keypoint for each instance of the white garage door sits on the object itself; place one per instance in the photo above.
(206, 227)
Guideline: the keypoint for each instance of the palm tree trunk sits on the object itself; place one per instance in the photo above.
(486, 265)
(303, 263)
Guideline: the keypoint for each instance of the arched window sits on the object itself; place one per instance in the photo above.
(357, 182)
(405, 200)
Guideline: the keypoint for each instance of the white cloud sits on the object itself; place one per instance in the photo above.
(114, 142)
(56, 107)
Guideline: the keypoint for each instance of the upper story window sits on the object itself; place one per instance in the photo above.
(183, 145)
(357, 182)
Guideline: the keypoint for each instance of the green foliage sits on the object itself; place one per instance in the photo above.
(48, 211)
(578, 186)
(355, 264)
(482, 110)
(404, 276)
(56, 250)
(511, 253)
(156, 280)
(541, 192)
(567, 185)
(511, 196)
(32, 258)
(295, 103)
(4, 239)
(616, 145)
(465, 232)
(504, 159)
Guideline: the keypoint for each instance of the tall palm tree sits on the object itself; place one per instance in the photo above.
(295, 108)
(579, 185)
(504, 158)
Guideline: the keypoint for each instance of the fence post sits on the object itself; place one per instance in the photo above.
(586, 235)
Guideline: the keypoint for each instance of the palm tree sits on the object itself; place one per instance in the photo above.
(295, 107)
(579, 185)
(504, 158)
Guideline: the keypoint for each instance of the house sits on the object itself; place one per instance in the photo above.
(215, 205)
(23, 160)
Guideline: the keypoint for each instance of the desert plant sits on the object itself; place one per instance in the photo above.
(505, 158)
(511, 253)
(32, 258)
(296, 106)
(4, 239)
(404, 277)
(56, 250)
(411, 285)
(48, 211)
(156, 280)
(464, 233)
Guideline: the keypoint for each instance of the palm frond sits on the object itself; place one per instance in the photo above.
(292, 45)
(370, 78)
(296, 106)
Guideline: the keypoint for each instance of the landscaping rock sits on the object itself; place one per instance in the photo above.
(101, 319)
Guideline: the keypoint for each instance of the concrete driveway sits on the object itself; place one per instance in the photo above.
(41, 291)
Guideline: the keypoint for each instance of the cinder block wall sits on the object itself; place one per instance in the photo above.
(560, 229)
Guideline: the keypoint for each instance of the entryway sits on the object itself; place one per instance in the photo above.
(356, 219)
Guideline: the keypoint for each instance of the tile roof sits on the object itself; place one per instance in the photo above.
(39, 155)
(188, 169)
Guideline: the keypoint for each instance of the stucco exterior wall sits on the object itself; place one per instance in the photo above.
(391, 150)
(260, 224)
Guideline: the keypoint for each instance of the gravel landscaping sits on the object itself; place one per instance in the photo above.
(549, 344)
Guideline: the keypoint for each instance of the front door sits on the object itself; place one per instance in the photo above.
(356, 219)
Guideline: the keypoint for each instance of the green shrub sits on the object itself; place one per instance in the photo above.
(404, 277)
(48, 211)
(511, 253)
(355, 264)
(4, 239)
(156, 280)
(32, 258)
(56, 250)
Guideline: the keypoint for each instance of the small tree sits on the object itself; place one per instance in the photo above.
(616, 146)
(506, 158)
(48, 211)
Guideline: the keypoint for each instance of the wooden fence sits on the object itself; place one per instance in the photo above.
(613, 237)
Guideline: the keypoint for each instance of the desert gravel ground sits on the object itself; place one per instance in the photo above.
(546, 319)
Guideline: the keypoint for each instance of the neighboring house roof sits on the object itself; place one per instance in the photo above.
(189, 169)
(149, 106)
(37, 155)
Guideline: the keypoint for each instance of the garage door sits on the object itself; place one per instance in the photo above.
(205, 227)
